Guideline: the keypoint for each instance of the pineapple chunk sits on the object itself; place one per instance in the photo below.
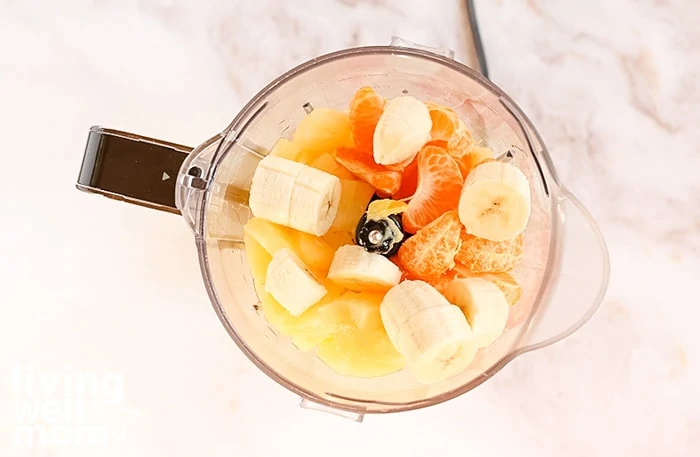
(286, 149)
(326, 162)
(312, 250)
(354, 198)
(258, 260)
(338, 238)
(312, 327)
(323, 130)
(361, 348)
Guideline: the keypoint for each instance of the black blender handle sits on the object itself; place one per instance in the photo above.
(132, 168)
(476, 38)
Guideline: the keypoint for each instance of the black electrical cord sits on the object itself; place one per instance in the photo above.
(476, 38)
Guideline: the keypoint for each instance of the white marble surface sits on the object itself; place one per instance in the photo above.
(94, 286)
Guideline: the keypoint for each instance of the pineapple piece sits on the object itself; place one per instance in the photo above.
(258, 260)
(326, 162)
(312, 327)
(354, 198)
(312, 250)
(480, 153)
(361, 348)
(338, 238)
(286, 149)
(322, 130)
(317, 253)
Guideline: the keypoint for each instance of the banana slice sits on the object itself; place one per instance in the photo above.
(402, 130)
(433, 335)
(437, 344)
(484, 304)
(404, 301)
(356, 269)
(291, 283)
(294, 195)
(495, 201)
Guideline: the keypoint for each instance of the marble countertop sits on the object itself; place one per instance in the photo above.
(92, 286)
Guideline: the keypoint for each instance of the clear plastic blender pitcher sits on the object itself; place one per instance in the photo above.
(563, 276)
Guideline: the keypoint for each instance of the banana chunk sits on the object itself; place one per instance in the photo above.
(431, 333)
(295, 195)
(291, 283)
(359, 270)
(437, 344)
(402, 130)
(495, 201)
(484, 304)
(404, 301)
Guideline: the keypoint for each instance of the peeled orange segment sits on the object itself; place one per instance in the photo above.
(476, 156)
(450, 129)
(483, 256)
(326, 162)
(401, 166)
(322, 130)
(445, 121)
(362, 348)
(366, 108)
(508, 285)
(362, 165)
(409, 181)
(479, 154)
(461, 142)
(438, 189)
(431, 251)
(504, 281)
(286, 149)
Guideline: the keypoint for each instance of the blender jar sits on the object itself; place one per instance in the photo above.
(563, 275)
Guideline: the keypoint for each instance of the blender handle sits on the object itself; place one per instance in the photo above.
(581, 272)
(477, 44)
(132, 168)
(477, 59)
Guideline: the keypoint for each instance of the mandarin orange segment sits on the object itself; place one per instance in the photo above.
(445, 121)
(409, 181)
(450, 129)
(431, 251)
(362, 165)
(401, 166)
(460, 147)
(440, 283)
(508, 285)
(461, 142)
(477, 155)
(366, 107)
(438, 188)
(504, 281)
(480, 154)
(485, 256)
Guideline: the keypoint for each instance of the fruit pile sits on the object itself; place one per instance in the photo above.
(382, 237)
